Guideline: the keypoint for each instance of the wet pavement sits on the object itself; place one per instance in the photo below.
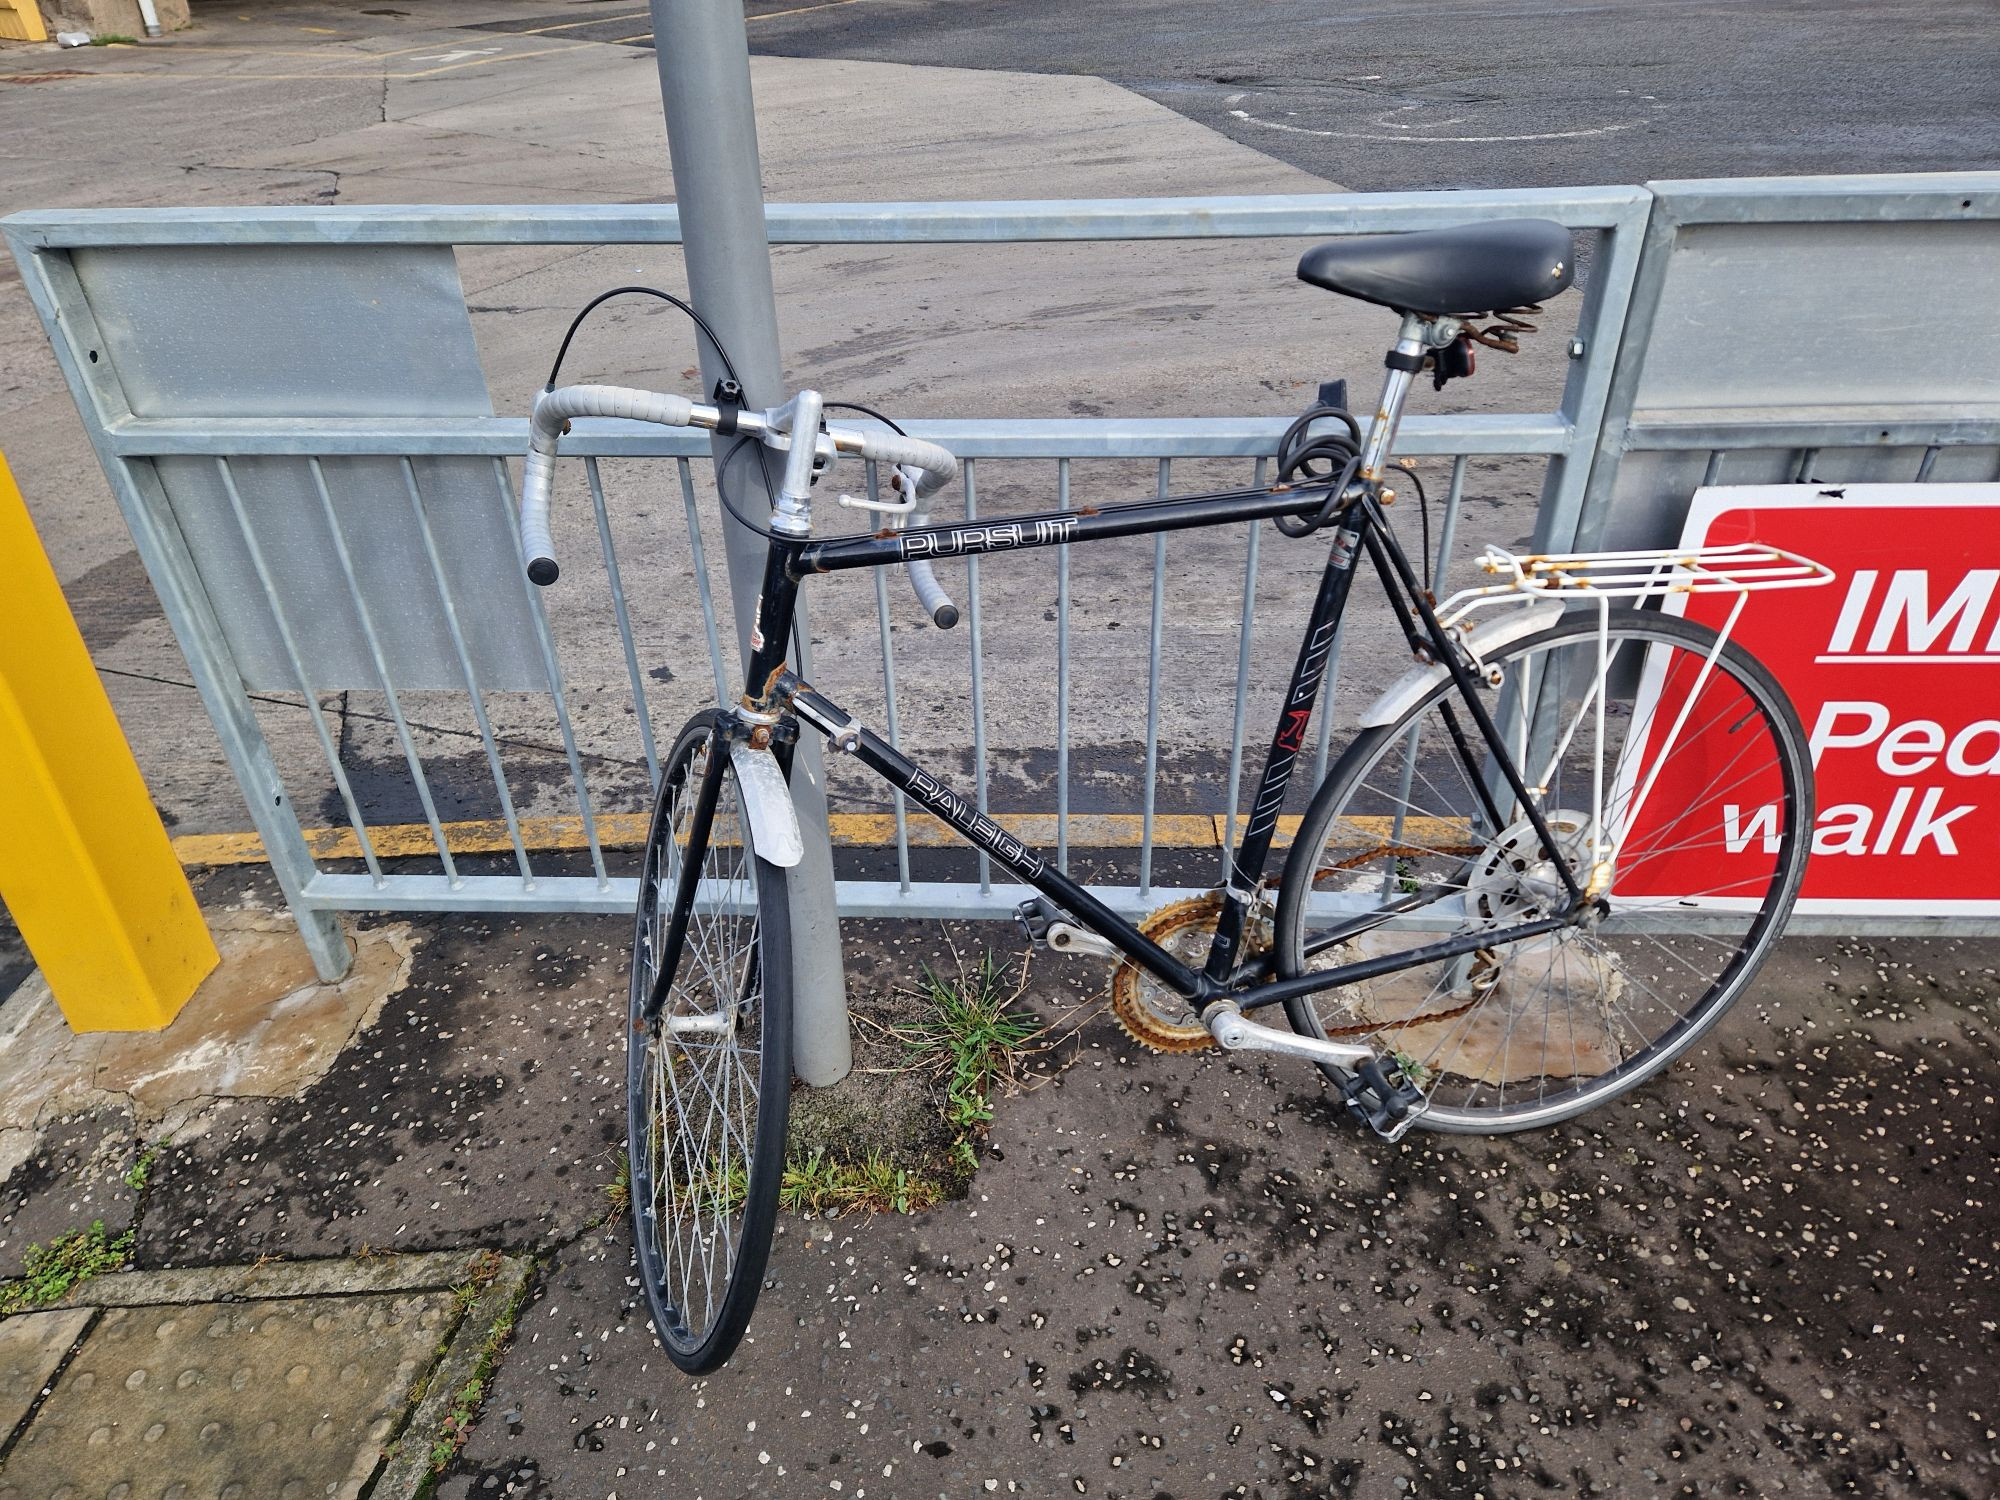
(1770, 1272)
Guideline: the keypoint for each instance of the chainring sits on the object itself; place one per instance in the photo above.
(1150, 1013)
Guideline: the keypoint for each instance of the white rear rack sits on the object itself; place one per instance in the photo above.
(1743, 568)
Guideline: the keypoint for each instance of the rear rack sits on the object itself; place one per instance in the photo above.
(1742, 568)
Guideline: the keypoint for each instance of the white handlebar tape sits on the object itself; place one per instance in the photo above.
(553, 410)
(923, 578)
(935, 466)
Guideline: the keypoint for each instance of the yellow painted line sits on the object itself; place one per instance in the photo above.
(851, 830)
(628, 831)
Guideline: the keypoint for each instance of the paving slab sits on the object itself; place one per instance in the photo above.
(338, 1380)
(33, 1347)
(282, 1399)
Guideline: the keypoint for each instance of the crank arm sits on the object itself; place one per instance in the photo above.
(1236, 1032)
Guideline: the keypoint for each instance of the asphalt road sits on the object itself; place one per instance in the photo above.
(1386, 94)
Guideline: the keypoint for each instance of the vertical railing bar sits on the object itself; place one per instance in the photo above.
(546, 640)
(1062, 678)
(1713, 472)
(1253, 534)
(624, 624)
(1448, 528)
(978, 678)
(457, 633)
(1446, 531)
(889, 696)
(1929, 459)
(367, 620)
(1323, 745)
(297, 664)
(700, 564)
(1153, 692)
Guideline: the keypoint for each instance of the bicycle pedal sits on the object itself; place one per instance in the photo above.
(1044, 926)
(1034, 917)
(1394, 1107)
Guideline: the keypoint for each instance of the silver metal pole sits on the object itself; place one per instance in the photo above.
(704, 60)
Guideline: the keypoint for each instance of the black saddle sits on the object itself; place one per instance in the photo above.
(1474, 268)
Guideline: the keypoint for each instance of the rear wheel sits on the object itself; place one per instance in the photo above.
(1680, 796)
(709, 1069)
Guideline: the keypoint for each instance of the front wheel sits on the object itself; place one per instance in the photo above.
(709, 1057)
(1673, 779)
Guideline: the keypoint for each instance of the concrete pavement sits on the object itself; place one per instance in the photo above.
(1766, 1274)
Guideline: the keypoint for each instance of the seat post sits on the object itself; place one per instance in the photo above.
(1413, 340)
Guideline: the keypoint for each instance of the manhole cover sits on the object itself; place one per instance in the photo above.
(270, 1400)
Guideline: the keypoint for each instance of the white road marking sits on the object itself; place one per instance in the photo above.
(450, 57)
(1356, 135)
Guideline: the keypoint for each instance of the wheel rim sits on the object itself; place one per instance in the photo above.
(697, 1068)
(1540, 1028)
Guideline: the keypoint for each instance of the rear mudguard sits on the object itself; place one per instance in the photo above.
(1501, 630)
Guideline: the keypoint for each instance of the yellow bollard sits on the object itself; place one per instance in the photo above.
(85, 866)
(21, 21)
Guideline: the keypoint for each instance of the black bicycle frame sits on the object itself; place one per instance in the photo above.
(1359, 528)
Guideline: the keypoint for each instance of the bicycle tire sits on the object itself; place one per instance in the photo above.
(1428, 1020)
(699, 1208)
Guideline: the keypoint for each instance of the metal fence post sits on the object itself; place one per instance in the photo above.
(704, 60)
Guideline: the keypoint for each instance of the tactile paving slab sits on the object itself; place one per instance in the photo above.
(32, 1347)
(275, 1400)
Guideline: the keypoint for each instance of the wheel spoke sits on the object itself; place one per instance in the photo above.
(699, 1113)
(1569, 1018)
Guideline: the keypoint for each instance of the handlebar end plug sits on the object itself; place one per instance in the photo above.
(946, 616)
(543, 571)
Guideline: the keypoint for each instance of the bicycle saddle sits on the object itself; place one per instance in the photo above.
(1471, 269)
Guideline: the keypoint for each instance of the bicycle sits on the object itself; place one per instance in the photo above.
(1518, 893)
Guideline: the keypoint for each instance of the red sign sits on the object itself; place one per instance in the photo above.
(1895, 671)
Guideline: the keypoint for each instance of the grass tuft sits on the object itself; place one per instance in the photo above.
(818, 1184)
(973, 1040)
(52, 1272)
(618, 1191)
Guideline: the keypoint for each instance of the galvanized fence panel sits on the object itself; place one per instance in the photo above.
(436, 484)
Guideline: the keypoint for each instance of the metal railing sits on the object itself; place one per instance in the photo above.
(196, 486)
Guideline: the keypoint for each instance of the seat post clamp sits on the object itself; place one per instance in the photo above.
(1409, 363)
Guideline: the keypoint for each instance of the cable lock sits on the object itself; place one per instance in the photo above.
(1300, 450)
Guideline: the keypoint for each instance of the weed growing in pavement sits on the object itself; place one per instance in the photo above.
(816, 1184)
(618, 1191)
(53, 1271)
(140, 1173)
(973, 1040)
(114, 39)
(464, 1414)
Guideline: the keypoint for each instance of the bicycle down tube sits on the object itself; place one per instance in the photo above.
(1359, 529)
